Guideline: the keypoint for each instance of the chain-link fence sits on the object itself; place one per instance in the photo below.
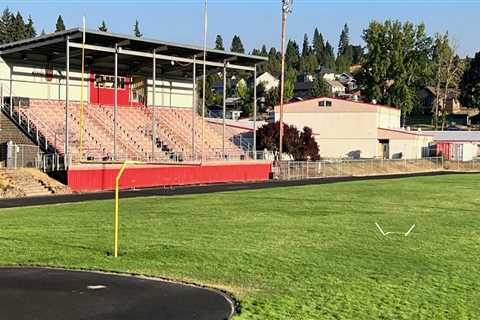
(298, 170)
(21, 156)
(457, 165)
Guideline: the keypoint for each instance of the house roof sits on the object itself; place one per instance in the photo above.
(301, 85)
(454, 136)
(452, 93)
(335, 83)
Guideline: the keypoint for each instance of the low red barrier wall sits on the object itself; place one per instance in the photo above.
(103, 178)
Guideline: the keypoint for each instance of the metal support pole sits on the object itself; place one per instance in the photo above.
(224, 108)
(67, 83)
(194, 104)
(11, 92)
(154, 123)
(204, 80)
(255, 113)
(115, 104)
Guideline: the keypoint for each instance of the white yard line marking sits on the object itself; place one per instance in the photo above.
(394, 232)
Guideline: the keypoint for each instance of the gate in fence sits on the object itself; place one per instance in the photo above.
(21, 156)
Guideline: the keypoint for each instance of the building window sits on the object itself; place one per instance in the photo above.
(325, 103)
(107, 81)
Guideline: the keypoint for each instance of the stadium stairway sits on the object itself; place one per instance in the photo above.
(29, 183)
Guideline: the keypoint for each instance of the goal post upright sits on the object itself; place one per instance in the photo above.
(117, 188)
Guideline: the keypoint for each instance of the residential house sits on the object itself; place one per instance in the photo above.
(348, 81)
(270, 81)
(336, 88)
(428, 97)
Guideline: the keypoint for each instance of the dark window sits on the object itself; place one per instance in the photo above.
(325, 103)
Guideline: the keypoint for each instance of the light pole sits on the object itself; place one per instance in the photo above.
(286, 9)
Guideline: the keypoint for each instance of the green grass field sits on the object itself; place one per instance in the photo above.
(302, 253)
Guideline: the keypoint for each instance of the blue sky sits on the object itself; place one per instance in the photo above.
(258, 22)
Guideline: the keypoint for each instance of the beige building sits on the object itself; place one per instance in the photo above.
(347, 129)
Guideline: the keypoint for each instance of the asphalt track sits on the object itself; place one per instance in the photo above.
(199, 189)
(50, 294)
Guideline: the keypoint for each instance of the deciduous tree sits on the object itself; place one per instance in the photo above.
(397, 56)
(301, 145)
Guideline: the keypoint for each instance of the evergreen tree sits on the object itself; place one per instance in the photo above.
(320, 88)
(237, 45)
(20, 31)
(308, 64)
(328, 58)
(357, 54)
(59, 26)
(273, 64)
(344, 58)
(219, 43)
(344, 41)
(43, 32)
(264, 52)
(103, 27)
(136, 29)
(292, 55)
(30, 29)
(306, 46)
(318, 46)
(7, 26)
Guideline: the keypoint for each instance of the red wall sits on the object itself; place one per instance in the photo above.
(107, 95)
(96, 179)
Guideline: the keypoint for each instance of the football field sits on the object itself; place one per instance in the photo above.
(310, 252)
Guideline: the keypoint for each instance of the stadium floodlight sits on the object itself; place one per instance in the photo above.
(286, 9)
(393, 232)
(287, 6)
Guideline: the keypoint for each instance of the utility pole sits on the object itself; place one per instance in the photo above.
(286, 9)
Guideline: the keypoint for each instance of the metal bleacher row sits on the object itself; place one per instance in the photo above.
(133, 132)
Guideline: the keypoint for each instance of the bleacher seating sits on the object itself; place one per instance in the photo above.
(134, 131)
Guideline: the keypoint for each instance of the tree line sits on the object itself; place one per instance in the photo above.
(397, 59)
(14, 28)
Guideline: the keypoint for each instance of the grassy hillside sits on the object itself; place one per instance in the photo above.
(293, 253)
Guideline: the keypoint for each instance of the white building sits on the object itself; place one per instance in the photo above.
(347, 129)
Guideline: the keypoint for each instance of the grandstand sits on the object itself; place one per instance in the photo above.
(128, 98)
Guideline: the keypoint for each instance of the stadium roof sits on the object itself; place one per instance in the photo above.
(135, 54)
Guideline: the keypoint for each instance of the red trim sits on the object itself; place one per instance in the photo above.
(103, 178)
(338, 99)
